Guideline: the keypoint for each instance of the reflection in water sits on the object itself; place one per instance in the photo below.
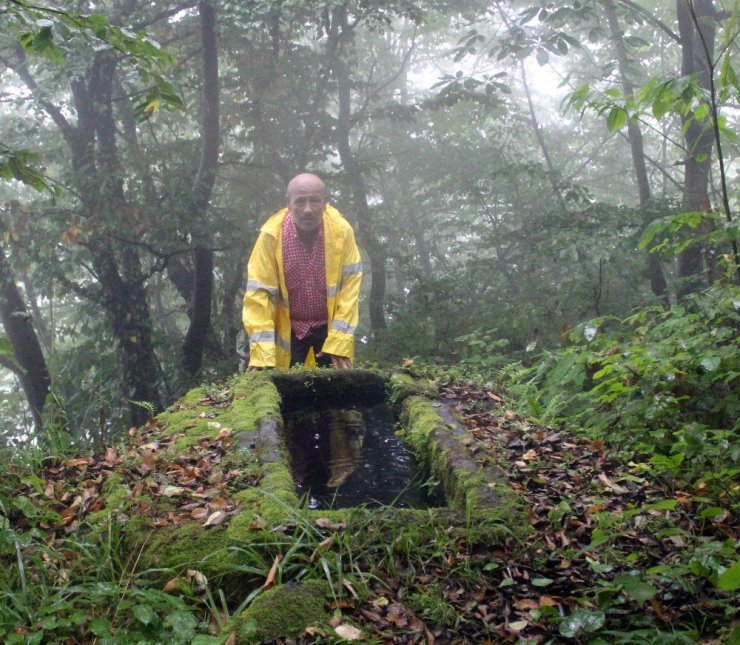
(346, 432)
(348, 457)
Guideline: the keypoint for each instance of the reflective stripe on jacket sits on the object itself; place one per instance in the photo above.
(266, 310)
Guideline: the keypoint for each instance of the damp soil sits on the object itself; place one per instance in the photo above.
(344, 457)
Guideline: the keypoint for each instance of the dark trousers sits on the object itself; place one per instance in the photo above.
(299, 348)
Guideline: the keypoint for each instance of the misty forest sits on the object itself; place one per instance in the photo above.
(545, 199)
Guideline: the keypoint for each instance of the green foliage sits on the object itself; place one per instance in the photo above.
(481, 352)
(48, 32)
(23, 166)
(704, 230)
(662, 384)
(54, 591)
(150, 408)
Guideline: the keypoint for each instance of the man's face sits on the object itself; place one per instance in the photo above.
(307, 205)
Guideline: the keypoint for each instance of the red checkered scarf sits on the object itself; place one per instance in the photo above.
(305, 278)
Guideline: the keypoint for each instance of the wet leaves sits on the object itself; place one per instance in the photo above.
(325, 523)
(607, 549)
(348, 632)
(601, 531)
(156, 482)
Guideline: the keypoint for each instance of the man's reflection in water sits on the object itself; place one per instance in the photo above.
(346, 433)
(325, 448)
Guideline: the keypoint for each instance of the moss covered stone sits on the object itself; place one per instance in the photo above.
(284, 611)
(271, 500)
(249, 406)
(402, 386)
(247, 399)
(473, 489)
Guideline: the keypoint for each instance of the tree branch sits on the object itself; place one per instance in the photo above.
(21, 69)
(652, 19)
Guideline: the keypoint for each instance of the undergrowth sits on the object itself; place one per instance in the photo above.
(661, 386)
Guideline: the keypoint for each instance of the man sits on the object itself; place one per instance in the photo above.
(303, 283)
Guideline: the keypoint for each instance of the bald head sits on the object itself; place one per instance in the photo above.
(305, 181)
(306, 200)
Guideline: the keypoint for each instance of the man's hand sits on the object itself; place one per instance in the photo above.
(339, 362)
(254, 368)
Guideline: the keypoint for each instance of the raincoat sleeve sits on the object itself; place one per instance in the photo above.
(260, 301)
(340, 340)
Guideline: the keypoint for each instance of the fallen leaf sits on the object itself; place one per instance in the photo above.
(326, 523)
(371, 615)
(272, 574)
(348, 632)
(200, 582)
(172, 585)
(325, 544)
(378, 603)
(611, 485)
(214, 519)
(148, 462)
(258, 523)
(548, 601)
(111, 456)
(526, 603)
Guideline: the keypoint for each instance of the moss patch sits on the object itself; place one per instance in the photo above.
(205, 411)
(401, 386)
(248, 406)
(270, 501)
(177, 441)
(284, 611)
(469, 487)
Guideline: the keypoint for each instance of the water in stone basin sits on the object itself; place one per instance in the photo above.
(350, 457)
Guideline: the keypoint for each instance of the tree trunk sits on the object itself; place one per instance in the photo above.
(29, 365)
(658, 284)
(200, 309)
(697, 49)
(119, 270)
(365, 227)
(231, 311)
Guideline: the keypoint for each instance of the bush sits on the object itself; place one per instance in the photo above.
(663, 384)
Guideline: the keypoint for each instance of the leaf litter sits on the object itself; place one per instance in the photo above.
(164, 485)
(607, 548)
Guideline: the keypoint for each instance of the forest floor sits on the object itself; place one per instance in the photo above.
(611, 555)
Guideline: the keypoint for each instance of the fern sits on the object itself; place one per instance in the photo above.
(146, 405)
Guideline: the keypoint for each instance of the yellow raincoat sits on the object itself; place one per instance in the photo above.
(266, 311)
